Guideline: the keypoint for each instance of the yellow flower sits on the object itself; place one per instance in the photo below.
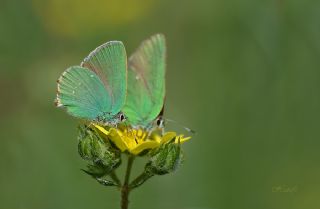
(136, 141)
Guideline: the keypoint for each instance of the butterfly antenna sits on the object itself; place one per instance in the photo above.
(184, 127)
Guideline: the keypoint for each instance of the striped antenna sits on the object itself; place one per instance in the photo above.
(184, 127)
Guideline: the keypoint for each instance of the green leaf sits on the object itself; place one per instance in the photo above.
(106, 182)
(140, 179)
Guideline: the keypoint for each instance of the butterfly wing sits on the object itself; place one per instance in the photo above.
(82, 93)
(109, 62)
(146, 81)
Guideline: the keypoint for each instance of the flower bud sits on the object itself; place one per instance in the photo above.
(102, 157)
(166, 159)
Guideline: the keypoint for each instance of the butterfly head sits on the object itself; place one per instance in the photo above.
(156, 125)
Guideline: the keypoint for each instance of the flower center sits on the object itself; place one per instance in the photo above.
(134, 137)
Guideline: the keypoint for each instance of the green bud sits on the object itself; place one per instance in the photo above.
(166, 159)
(100, 155)
(84, 146)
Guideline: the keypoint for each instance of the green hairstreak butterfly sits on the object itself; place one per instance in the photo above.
(96, 90)
(146, 84)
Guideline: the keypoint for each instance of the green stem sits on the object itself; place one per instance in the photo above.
(125, 187)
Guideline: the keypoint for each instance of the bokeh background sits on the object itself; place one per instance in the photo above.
(244, 74)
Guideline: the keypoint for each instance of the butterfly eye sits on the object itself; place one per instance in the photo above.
(159, 122)
(122, 117)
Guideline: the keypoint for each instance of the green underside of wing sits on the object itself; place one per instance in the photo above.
(140, 110)
(109, 62)
(82, 93)
(146, 81)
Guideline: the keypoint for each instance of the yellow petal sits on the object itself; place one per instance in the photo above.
(182, 139)
(115, 137)
(139, 133)
(167, 137)
(130, 142)
(103, 130)
(144, 135)
(144, 146)
(157, 138)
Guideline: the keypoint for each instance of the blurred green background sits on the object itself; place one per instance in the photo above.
(244, 74)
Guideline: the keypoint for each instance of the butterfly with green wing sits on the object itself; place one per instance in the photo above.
(146, 84)
(96, 90)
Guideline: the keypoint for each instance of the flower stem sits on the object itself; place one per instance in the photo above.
(125, 187)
